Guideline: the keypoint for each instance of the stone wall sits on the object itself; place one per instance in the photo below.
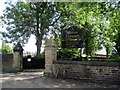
(92, 71)
(7, 62)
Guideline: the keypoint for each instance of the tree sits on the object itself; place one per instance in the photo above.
(5, 49)
(109, 25)
(100, 21)
(83, 17)
(115, 24)
(108, 28)
(23, 19)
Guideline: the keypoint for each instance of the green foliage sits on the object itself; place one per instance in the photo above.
(91, 40)
(23, 19)
(109, 32)
(67, 54)
(17, 19)
(82, 16)
(5, 49)
(99, 19)
(115, 56)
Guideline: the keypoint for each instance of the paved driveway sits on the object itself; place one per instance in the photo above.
(37, 80)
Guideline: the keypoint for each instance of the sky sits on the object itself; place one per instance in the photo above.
(30, 46)
(2, 6)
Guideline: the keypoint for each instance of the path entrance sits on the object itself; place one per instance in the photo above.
(29, 62)
(37, 80)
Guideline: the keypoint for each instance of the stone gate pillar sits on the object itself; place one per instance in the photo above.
(17, 57)
(50, 56)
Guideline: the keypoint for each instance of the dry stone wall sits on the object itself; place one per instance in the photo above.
(7, 62)
(90, 71)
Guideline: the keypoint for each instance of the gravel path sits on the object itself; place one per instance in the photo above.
(37, 80)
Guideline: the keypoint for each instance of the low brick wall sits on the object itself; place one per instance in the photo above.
(92, 71)
(7, 62)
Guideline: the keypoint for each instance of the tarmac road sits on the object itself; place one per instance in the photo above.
(37, 80)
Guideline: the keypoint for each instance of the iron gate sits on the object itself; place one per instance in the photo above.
(29, 62)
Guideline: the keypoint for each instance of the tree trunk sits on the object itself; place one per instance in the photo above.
(38, 35)
(38, 44)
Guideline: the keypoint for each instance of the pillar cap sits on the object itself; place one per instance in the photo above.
(50, 43)
(18, 48)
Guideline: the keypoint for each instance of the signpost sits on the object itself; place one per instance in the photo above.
(73, 37)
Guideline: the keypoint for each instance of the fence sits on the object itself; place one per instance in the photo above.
(29, 53)
(100, 55)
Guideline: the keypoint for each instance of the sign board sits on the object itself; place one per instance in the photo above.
(72, 37)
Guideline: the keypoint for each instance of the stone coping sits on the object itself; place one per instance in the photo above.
(91, 63)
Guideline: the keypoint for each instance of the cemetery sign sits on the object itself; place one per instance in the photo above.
(72, 37)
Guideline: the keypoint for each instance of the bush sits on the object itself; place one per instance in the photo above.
(67, 54)
(115, 57)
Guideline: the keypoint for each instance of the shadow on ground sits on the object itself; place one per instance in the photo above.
(37, 80)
